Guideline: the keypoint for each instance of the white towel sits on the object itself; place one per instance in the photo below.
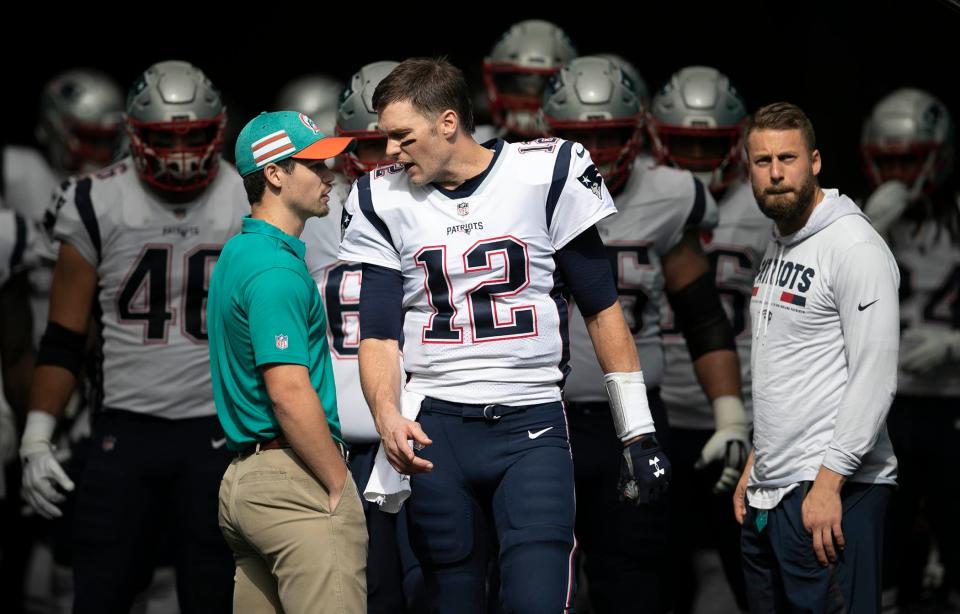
(387, 487)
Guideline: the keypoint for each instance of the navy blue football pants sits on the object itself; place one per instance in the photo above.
(702, 520)
(394, 581)
(149, 479)
(625, 546)
(782, 573)
(509, 477)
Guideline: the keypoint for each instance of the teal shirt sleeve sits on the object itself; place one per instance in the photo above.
(278, 304)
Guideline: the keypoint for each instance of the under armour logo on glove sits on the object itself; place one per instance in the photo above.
(644, 486)
(658, 471)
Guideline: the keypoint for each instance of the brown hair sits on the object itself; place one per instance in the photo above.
(782, 116)
(431, 85)
(256, 183)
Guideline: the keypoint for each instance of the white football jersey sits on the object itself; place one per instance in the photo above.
(656, 206)
(17, 244)
(154, 262)
(929, 261)
(29, 183)
(484, 308)
(735, 248)
(339, 285)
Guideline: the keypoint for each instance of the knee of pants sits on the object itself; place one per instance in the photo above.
(533, 536)
(442, 525)
(537, 577)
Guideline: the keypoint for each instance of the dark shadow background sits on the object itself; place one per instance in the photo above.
(834, 59)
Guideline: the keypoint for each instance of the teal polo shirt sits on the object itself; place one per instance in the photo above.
(264, 308)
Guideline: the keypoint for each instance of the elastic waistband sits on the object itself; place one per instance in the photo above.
(478, 410)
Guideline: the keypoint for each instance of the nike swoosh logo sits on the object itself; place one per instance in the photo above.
(862, 307)
(580, 152)
(216, 444)
(534, 435)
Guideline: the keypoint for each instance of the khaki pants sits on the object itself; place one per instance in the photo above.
(293, 554)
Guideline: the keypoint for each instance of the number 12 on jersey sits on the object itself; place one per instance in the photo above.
(507, 261)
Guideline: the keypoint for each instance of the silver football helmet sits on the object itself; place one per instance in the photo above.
(591, 101)
(357, 118)
(696, 122)
(316, 96)
(909, 137)
(637, 82)
(517, 71)
(175, 120)
(81, 112)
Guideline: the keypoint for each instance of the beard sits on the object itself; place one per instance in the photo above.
(782, 203)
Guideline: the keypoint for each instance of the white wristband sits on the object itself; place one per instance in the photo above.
(38, 429)
(628, 404)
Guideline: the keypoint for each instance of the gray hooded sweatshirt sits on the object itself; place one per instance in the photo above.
(826, 318)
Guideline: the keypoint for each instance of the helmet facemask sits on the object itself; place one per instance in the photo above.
(177, 156)
(613, 144)
(713, 154)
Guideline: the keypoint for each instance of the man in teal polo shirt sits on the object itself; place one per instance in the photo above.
(288, 507)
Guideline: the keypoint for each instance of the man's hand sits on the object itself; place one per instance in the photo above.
(729, 444)
(924, 348)
(396, 432)
(740, 497)
(886, 205)
(740, 492)
(645, 471)
(41, 471)
(822, 512)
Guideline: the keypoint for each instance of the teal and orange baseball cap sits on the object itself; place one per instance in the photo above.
(271, 137)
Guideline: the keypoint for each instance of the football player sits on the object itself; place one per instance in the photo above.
(653, 247)
(695, 123)
(907, 147)
(138, 241)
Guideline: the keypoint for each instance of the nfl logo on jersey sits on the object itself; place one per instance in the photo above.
(281, 342)
(463, 208)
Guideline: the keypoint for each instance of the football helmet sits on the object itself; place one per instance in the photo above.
(357, 118)
(908, 137)
(175, 120)
(316, 96)
(696, 122)
(591, 101)
(517, 71)
(639, 85)
(81, 112)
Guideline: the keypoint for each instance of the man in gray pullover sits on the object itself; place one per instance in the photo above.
(824, 358)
